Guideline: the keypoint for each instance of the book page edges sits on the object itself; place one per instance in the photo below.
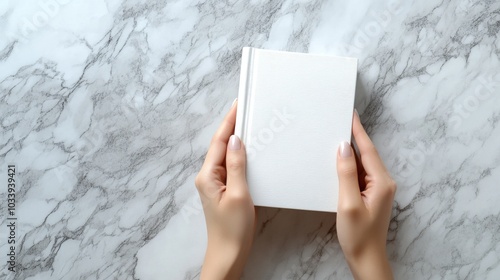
(244, 93)
(353, 100)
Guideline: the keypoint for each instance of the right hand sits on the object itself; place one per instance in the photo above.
(366, 193)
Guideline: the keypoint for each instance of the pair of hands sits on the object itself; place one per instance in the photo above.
(366, 192)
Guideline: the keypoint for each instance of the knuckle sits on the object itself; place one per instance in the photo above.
(199, 181)
(217, 137)
(393, 186)
(372, 149)
(390, 189)
(348, 170)
(235, 164)
(238, 196)
(349, 209)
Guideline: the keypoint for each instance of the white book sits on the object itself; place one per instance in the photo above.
(294, 110)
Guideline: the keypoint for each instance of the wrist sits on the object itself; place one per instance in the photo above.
(371, 263)
(224, 260)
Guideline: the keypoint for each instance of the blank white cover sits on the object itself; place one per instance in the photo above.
(294, 110)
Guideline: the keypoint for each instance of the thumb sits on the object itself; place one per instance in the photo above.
(349, 194)
(236, 163)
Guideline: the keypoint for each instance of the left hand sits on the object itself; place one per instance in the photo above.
(228, 207)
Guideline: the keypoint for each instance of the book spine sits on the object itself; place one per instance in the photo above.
(244, 93)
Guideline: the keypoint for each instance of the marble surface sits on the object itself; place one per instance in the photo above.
(107, 109)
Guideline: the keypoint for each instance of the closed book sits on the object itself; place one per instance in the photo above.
(294, 110)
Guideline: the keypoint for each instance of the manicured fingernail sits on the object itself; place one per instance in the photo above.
(234, 102)
(234, 143)
(345, 150)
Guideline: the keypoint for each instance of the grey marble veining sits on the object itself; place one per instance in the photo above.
(107, 109)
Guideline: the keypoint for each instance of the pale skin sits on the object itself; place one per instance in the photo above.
(366, 193)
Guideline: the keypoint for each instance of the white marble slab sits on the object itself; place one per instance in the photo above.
(107, 109)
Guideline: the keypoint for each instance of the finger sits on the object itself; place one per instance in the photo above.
(217, 150)
(236, 165)
(370, 158)
(359, 166)
(349, 194)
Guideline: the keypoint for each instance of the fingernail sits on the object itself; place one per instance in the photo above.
(356, 111)
(234, 143)
(234, 102)
(345, 150)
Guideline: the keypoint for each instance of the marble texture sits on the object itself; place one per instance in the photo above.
(107, 109)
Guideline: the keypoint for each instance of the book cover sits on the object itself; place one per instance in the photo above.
(294, 110)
